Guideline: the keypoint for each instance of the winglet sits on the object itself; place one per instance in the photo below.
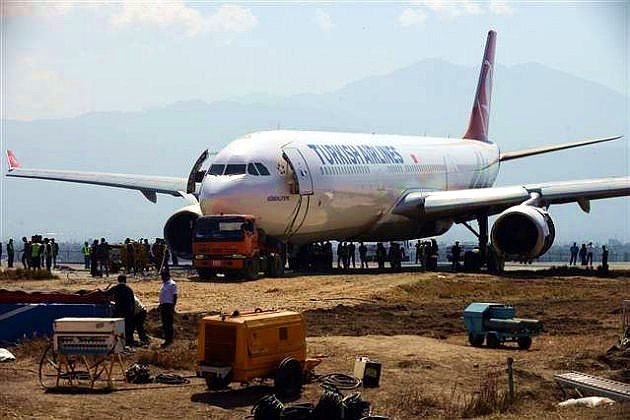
(12, 161)
(480, 115)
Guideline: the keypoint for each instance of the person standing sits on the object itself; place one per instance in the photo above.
(124, 306)
(85, 250)
(94, 259)
(589, 255)
(48, 254)
(55, 251)
(168, 299)
(103, 257)
(583, 255)
(363, 255)
(604, 259)
(456, 252)
(139, 316)
(26, 252)
(574, 253)
(10, 253)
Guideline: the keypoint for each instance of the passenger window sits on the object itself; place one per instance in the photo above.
(235, 169)
(262, 168)
(251, 169)
(216, 169)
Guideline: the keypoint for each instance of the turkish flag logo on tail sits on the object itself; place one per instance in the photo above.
(13, 162)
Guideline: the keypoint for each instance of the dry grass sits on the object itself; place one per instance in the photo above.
(21, 274)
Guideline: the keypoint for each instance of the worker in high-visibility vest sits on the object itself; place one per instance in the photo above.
(36, 254)
(86, 251)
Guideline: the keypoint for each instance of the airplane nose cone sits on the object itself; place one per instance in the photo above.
(221, 194)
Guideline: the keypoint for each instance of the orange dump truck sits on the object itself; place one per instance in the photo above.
(260, 344)
(233, 244)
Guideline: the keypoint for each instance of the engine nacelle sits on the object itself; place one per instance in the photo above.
(178, 230)
(523, 232)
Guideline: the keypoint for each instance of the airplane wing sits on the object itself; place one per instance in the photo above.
(148, 185)
(463, 205)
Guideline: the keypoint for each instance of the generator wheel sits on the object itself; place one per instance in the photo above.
(476, 340)
(492, 341)
(289, 378)
(524, 342)
(214, 382)
(206, 273)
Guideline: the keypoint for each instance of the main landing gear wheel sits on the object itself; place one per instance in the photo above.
(289, 378)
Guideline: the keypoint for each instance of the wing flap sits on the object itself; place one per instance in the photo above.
(462, 205)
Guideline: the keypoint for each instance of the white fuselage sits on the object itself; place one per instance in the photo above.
(325, 186)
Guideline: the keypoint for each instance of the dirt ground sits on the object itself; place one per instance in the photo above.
(411, 322)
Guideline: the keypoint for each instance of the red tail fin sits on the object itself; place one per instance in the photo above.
(480, 115)
(12, 160)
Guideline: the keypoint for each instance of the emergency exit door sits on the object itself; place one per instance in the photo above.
(301, 172)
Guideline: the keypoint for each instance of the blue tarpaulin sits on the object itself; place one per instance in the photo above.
(28, 320)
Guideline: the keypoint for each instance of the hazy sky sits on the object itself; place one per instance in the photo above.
(66, 58)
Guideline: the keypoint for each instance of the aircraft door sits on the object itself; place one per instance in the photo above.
(301, 172)
(196, 174)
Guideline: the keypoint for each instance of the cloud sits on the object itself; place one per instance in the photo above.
(411, 17)
(38, 9)
(323, 20)
(450, 10)
(232, 19)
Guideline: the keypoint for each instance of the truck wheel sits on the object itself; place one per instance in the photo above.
(250, 271)
(476, 340)
(205, 273)
(524, 342)
(289, 378)
(276, 267)
(492, 341)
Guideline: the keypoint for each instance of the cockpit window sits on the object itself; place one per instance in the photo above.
(262, 168)
(235, 169)
(251, 169)
(216, 169)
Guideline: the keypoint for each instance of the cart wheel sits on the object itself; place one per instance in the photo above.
(492, 341)
(524, 342)
(49, 369)
(476, 340)
(289, 378)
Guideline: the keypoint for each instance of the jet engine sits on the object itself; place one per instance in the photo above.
(178, 230)
(523, 232)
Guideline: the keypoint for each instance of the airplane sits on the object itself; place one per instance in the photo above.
(310, 186)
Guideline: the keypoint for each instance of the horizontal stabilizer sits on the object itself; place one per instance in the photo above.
(546, 149)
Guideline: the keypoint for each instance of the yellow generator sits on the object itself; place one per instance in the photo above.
(260, 344)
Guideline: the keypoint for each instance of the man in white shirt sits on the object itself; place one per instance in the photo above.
(168, 299)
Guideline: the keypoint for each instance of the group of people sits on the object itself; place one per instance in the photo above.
(135, 256)
(585, 253)
(127, 305)
(427, 254)
(37, 253)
